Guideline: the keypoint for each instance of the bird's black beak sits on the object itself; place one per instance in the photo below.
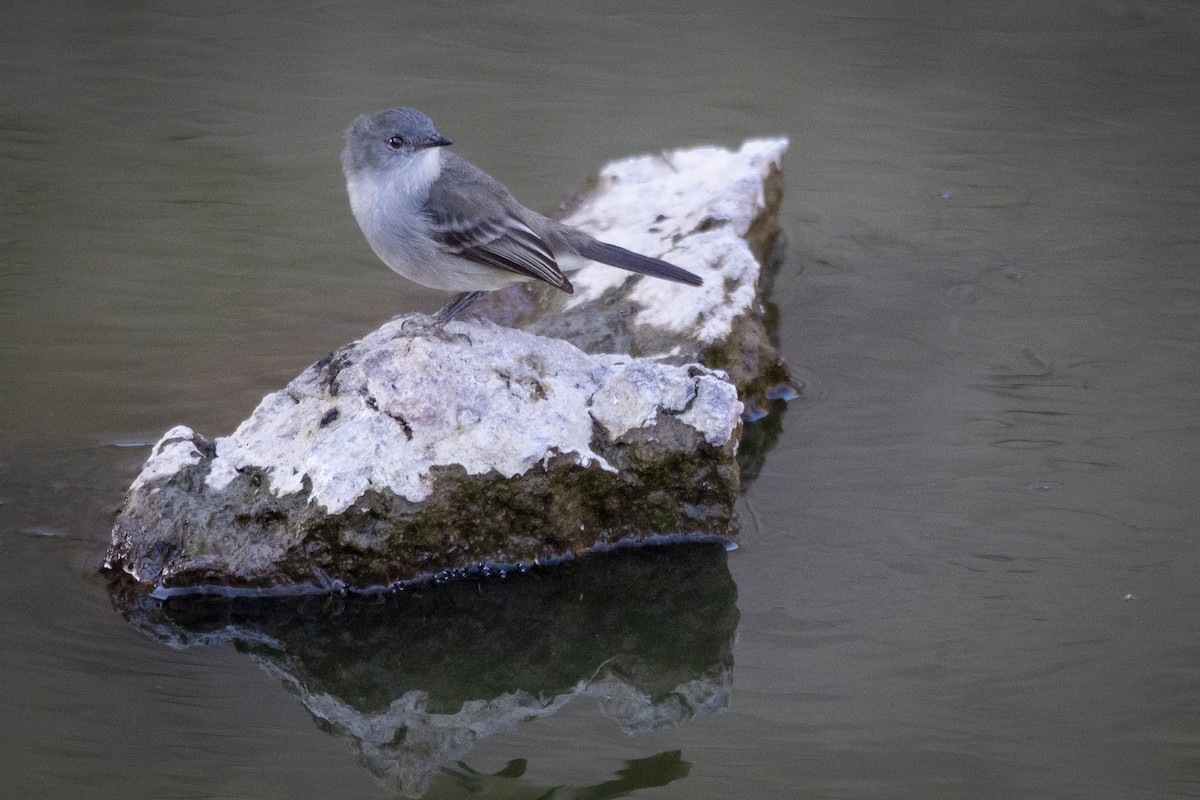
(437, 140)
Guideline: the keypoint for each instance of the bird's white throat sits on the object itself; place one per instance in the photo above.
(419, 172)
(381, 191)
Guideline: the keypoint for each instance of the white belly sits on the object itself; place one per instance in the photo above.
(398, 233)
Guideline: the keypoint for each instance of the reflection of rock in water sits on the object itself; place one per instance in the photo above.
(639, 773)
(413, 680)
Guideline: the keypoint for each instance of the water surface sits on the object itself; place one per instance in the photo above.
(968, 563)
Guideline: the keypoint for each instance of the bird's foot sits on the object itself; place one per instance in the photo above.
(418, 325)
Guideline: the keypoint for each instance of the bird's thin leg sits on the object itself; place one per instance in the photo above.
(456, 307)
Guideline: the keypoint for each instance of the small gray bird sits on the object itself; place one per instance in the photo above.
(442, 222)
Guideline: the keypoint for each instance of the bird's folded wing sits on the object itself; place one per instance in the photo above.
(473, 216)
(503, 242)
(500, 241)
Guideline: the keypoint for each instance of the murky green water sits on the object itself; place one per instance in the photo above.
(969, 563)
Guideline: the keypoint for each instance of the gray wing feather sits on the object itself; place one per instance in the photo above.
(473, 216)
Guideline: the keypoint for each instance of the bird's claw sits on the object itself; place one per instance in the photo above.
(421, 325)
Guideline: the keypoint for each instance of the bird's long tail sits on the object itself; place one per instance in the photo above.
(627, 259)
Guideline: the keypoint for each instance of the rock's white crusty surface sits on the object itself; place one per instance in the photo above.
(174, 451)
(486, 397)
(693, 208)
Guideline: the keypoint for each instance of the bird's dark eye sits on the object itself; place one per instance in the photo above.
(396, 142)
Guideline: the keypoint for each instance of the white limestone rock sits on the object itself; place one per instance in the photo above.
(407, 453)
(496, 400)
(692, 207)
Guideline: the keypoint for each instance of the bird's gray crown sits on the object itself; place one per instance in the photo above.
(382, 139)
